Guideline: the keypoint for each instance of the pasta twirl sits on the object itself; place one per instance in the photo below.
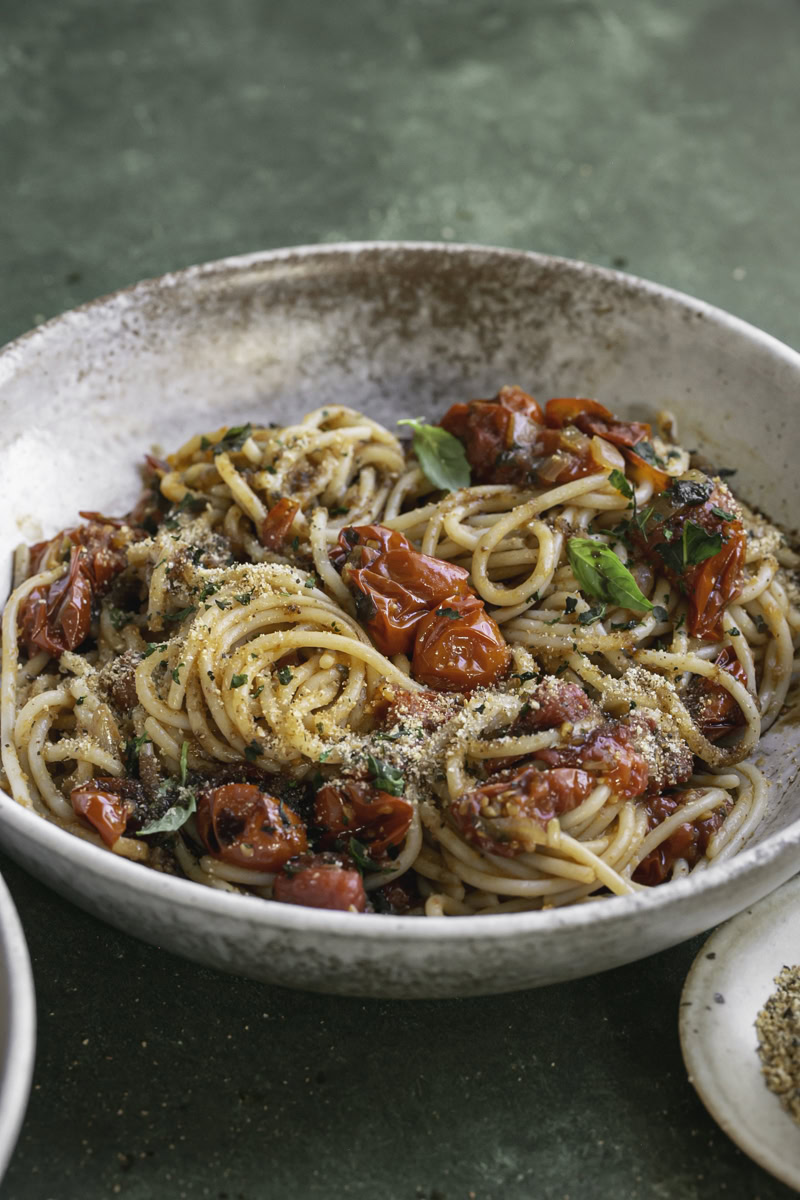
(303, 668)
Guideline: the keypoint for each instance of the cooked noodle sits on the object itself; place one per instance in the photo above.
(230, 633)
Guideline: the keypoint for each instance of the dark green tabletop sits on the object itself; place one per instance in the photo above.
(141, 135)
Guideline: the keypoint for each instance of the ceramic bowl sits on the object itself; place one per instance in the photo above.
(398, 330)
(17, 1026)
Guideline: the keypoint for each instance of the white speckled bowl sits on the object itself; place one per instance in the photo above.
(395, 329)
(17, 1026)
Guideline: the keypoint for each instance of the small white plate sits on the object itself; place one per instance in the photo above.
(727, 986)
(17, 1026)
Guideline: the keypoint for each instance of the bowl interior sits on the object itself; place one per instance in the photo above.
(395, 330)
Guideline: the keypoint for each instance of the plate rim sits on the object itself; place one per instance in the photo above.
(701, 975)
(115, 869)
(20, 1048)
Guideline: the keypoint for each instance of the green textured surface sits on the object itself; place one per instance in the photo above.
(141, 135)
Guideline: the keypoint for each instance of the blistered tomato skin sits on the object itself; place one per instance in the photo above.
(107, 804)
(688, 842)
(393, 585)
(459, 647)
(357, 809)
(241, 825)
(493, 817)
(609, 750)
(317, 882)
(497, 434)
(713, 707)
(596, 420)
(277, 523)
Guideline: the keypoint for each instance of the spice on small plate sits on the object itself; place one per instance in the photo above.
(778, 1028)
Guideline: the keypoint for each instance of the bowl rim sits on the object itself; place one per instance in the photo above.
(20, 1043)
(184, 893)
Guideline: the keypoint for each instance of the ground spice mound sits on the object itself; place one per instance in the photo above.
(778, 1028)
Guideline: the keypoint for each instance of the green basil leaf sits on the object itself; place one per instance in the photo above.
(174, 817)
(688, 491)
(645, 450)
(385, 777)
(618, 481)
(699, 545)
(593, 614)
(603, 575)
(440, 455)
(361, 856)
(233, 439)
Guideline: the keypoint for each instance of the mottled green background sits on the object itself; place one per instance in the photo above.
(141, 135)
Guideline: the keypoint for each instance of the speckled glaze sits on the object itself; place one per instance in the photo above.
(398, 330)
(728, 985)
(17, 1026)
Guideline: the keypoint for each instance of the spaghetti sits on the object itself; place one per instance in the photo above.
(516, 664)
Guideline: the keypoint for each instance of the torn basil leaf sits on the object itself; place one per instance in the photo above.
(603, 575)
(440, 455)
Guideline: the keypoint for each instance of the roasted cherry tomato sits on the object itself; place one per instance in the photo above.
(357, 809)
(393, 585)
(459, 647)
(241, 825)
(425, 709)
(277, 523)
(609, 751)
(714, 709)
(320, 881)
(596, 420)
(497, 434)
(713, 583)
(689, 841)
(552, 703)
(108, 804)
(508, 815)
(58, 617)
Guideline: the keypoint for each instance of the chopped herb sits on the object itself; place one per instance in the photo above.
(618, 481)
(645, 450)
(761, 624)
(257, 692)
(560, 670)
(223, 604)
(385, 777)
(119, 618)
(181, 614)
(593, 614)
(660, 614)
(174, 817)
(131, 753)
(79, 701)
(480, 707)
(698, 544)
(285, 675)
(325, 754)
(681, 622)
(253, 751)
(211, 676)
(296, 542)
(723, 516)
(440, 455)
(270, 469)
(734, 632)
(688, 492)
(233, 439)
(601, 574)
(208, 590)
(525, 676)
(452, 613)
(310, 582)
(244, 598)
(640, 519)
(152, 647)
(176, 672)
(238, 680)
(361, 856)
(204, 443)
(338, 510)
(570, 605)
(624, 624)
